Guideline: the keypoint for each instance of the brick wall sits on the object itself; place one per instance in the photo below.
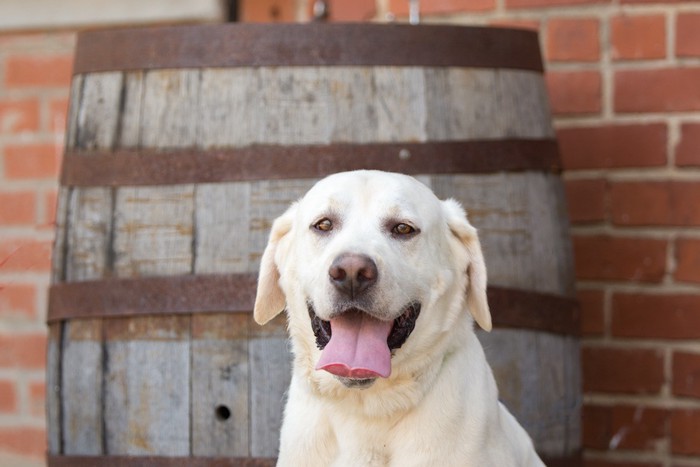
(34, 78)
(624, 80)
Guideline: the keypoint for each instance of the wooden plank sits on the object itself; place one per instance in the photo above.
(230, 113)
(353, 104)
(521, 226)
(400, 104)
(53, 389)
(147, 386)
(222, 219)
(81, 386)
(99, 110)
(220, 398)
(524, 104)
(129, 134)
(153, 230)
(90, 221)
(170, 102)
(536, 374)
(270, 374)
(76, 91)
(58, 253)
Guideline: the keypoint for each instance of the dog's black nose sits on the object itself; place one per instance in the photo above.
(352, 274)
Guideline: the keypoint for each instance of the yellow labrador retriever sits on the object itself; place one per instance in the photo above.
(382, 283)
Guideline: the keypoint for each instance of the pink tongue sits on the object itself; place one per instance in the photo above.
(358, 347)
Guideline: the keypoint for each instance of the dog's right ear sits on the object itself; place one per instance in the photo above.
(270, 299)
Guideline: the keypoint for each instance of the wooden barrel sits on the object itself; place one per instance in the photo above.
(184, 143)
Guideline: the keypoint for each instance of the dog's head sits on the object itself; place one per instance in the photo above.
(371, 266)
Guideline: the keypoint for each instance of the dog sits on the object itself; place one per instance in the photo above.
(382, 283)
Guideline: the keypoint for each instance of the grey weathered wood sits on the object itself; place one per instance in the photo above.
(99, 110)
(222, 219)
(169, 105)
(90, 220)
(522, 227)
(400, 104)
(129, 134)
(270, 374)
(72, 123)
(153, 230)
(220, 393)
(81, 377)
(58, 253)
(540, 390)
(53, 389)
(147, 386)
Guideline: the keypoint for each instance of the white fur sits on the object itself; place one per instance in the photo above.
(439, 407)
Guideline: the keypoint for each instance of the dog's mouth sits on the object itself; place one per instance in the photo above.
(357, 347)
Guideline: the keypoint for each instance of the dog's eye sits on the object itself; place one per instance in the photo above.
(402, 229)
(324, 225)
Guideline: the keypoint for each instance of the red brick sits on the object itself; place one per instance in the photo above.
(613, 146)
(570, 39)
(613, 370)
(342, 10)
(638, 37)
(624, 427)
(17, 208)
(687, 260)
(37, 399)
(22, 351)
(431, 7)
(19, 116)
(686, 374)
(549, 3)
(664, 90)
(23, 255)
(574, 92)
(22, 71)
(267, 11)
(655, 316)
(685, 435)
(58, 113)
(592, 312)
(688, 35)
(586, 200)
(688, 149)
(23, 440)
(17, 301)
(655, 203)
(8, 397)
(32, 161)
(603, 257)
(516, 24)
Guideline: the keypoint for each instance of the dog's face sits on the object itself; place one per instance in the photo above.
(373, 268)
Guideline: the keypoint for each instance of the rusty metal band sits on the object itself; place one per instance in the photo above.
(235, 293)
(255, 45)
(274, 162)
(152, 461)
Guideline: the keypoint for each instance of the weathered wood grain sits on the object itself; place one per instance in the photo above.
(270, 374)
(147, 386)
(72, 122)
(129, 134)
(58, 253)
(153, 229)
(222, 219)
(220, 393)
(81, 378)
(400, 104)
(90, 221)
(169, 104)
(54, 393)
(98, 115)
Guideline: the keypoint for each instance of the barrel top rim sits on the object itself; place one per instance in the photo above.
(310, 44)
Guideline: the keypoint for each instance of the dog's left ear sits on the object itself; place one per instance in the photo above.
(270, 299)
(463, 231)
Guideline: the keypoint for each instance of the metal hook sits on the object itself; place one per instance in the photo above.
(320, 10)
(414, 11)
